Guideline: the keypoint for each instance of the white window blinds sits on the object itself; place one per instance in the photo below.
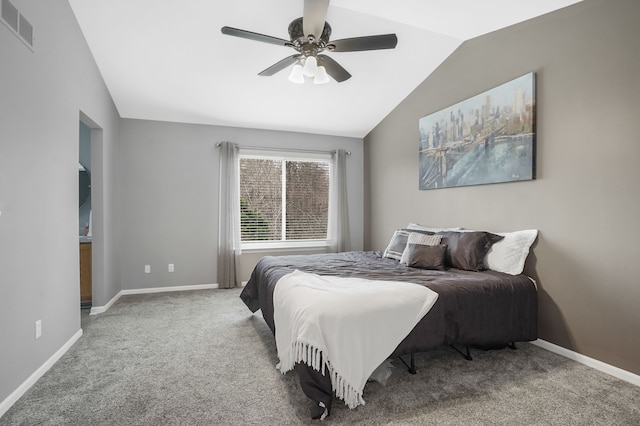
(284, 199)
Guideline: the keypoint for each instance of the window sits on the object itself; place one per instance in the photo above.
(284, 199)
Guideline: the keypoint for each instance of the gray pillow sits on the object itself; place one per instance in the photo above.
(466, 250)
(426, 257)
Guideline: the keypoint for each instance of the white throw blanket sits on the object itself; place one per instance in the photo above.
(351, 324)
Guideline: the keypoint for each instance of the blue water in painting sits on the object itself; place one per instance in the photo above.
(504, 160)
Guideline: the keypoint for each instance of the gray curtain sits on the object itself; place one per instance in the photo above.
(338, 206)
(229, 216)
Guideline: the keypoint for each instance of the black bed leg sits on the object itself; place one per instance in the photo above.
(466, 355)
(412, 366)
(513, 346)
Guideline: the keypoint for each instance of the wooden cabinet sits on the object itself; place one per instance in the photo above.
(85, 273)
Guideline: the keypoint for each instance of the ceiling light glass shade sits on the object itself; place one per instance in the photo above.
(321, 77)
(296, 74)
(310, 67)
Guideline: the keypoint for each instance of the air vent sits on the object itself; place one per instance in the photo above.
(10, 14)
(14, 20)
(26, 30)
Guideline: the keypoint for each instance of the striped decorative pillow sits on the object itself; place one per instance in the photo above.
(419, 239)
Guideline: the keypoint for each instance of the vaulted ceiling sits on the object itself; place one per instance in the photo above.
(167, 60)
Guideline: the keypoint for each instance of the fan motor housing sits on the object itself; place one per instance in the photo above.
(296, 33)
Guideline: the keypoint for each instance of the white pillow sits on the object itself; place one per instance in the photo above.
(416, 227)
(420, 239)
(509, 254)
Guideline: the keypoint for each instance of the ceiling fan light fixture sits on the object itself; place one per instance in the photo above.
(296, 75)
(310, 68)
(309, 36)
(321, 76)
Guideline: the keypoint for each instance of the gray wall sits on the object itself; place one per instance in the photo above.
(169, 209)
(41, 96)
(585, 200)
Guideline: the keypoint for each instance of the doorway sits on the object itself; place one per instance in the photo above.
(85, 216)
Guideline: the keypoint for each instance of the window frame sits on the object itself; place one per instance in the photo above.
(285, 155)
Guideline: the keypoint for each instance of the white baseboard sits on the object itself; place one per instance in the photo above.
(101, 309)
(24, 387)
(95, 310)
(167, 289)
(627, 376)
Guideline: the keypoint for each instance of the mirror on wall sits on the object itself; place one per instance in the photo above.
(85, 185)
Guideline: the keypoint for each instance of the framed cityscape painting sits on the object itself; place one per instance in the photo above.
(489, 138)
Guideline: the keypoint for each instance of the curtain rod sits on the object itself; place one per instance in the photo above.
(308, 151)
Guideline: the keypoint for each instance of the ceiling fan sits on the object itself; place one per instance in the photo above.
(309, 36)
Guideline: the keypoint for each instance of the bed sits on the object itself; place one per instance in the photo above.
(484, 308)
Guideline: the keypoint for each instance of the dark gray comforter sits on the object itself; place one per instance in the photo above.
(487, 309)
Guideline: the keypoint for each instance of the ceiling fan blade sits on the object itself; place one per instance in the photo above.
(333, 68)
(314, 16)
(383, 41)
(279, 66)
(255, 36)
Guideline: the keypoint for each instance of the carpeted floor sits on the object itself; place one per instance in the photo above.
(201, 358)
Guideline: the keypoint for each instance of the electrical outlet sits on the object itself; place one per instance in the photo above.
(171, 268)
(147, 269)
(38, 329)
